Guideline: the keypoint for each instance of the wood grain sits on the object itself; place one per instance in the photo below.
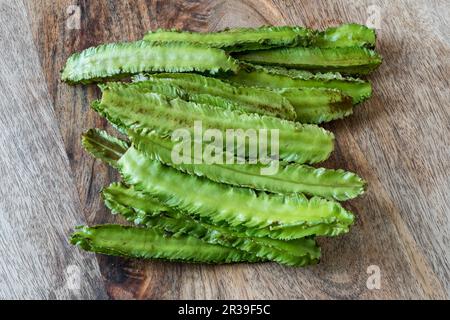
(398, 141)
(38, 201)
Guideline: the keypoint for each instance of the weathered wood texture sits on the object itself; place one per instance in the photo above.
(398, 141)
(38, 201)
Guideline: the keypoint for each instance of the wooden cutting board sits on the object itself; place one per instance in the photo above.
(398, 141)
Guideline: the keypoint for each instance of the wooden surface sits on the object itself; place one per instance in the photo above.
(38, 201)
(398, 141)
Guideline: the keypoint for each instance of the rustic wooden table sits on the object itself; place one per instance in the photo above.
(398, 141)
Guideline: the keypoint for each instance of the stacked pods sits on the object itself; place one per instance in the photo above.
(282, 79)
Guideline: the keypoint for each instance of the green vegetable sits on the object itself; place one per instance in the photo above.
(129, 202)
(132, 109)
(281, 78)
(256, 214)
(188, 200)
(317, 105)
(149, 243)
(297, 252)
(205, 90)
(237, 39)
(118, 60)
(290, 178)
(346, 35)
(312, 105)
(104, 146)
(133, 205)
(347, 60)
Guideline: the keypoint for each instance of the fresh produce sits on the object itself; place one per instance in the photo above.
(104, 146)
(347, 60)
(346, 35)
(151, 243)
(142, 209)
(290, 178)
(206, 90)
(256, 214)
(238, 39)
(267, 37)
(119, 60)
(241, 205)
(127, 108)
(309, 105)
(280, 78)
(317, 105)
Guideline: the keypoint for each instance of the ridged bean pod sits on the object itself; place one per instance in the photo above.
(237, 39)
(255, 214)
(119, 60)
(130, 203)
(290, 178)
(132, 109)
(206, 90)
(346, 35)
(150, 243)
(346, 60)
(280, 78)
